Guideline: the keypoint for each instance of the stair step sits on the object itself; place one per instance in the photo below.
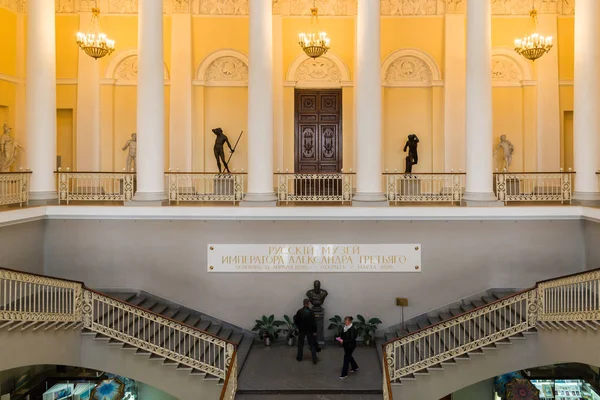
(236, 337)
(456, 311)
(203, 325)
(467, 307)
(412, 328)
(183, 367)
(115, 342)
(192, 320)
(489, 299)
(182, 316)
(123, 296)
(434, 320)
(156, 357)
(502, 295)
(141, 352)
(225, 334)
(197, 372)
(478, 303)
(159, 308)
(423, 324)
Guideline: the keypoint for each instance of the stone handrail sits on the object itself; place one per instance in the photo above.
(30, 300)
(534, 186)
(321, 188)
(571, 301)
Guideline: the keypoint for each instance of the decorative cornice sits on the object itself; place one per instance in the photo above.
(389, 8)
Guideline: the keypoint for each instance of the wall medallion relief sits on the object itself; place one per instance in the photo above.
(123, 6)
(504, 69)
(408, 69)
(227, 68)
(127, 70)
(318, 70)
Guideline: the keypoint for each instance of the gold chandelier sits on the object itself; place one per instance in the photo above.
(94, 42)
(533, 46)
(315, 43)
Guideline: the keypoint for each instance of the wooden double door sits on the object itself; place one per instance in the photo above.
(318, 133)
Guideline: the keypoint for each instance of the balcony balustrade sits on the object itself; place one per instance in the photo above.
(14, 188)
(294, 188)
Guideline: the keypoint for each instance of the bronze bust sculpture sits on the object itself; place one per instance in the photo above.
(316, 295)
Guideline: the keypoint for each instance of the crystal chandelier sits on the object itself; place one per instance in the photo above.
(533, 46)
(94, 42)
(315, 43)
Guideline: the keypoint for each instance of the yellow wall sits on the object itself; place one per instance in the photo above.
(229, 111)
(406, 110)
(8, 44)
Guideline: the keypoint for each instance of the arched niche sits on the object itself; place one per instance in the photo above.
(224, 67)
(327, 71)
(410, 68)
(123, 69)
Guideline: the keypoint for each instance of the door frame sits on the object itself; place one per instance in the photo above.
(338, 91)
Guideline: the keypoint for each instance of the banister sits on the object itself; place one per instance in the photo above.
(117, 300)
(159, 315)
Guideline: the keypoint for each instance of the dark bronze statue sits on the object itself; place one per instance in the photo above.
(413, 157)
(219, 153)
(316, 295)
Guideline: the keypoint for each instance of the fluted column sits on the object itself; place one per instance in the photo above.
(150, 105)
(260, 106)
(586, 121)
(41, 99)
(368, 106)
(479, 126)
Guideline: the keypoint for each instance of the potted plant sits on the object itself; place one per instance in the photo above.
(268, 328)
(336, 325)
(366, 329)
(289, 329)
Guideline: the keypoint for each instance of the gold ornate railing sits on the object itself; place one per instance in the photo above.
(14, 187)
(205, 186)
(572, 301)
(534, 186)
(321, 188)
(29, 300)
(424, 188)
(95, 186)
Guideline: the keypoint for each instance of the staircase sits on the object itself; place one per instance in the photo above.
(145, 325)
(438, 340)
(243, 339)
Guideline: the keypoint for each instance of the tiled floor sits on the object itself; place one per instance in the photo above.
(274, 370)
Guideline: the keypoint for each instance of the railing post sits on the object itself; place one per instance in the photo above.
(501, 187)
(347, 188)
(63, 186)
(127, 186)
(456, 188)
(566, 187)
(238, 188)
(533, 308)
(87, 309)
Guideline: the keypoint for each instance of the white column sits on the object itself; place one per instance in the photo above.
(278, 101)
(368, 105)
(150, 104)
(41, 99)
(180, 132)
(479, 145)
(260, 105)
(586, 121)
(88, 107)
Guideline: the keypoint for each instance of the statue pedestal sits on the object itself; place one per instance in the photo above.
(410, 187)
(319, 313)
(513, 187)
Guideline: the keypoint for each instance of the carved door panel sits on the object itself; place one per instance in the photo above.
(318, 136)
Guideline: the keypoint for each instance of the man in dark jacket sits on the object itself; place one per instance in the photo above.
(307, 327)
(348, 341)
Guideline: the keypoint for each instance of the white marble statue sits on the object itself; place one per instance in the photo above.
(9, 150)
(507, 149)
(132, 154)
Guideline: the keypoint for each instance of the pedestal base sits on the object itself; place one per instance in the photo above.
(363, 199)
(588, 199)
(259, 200)
(148, 199)
(43, 198)
(475, 199)
(319, 313)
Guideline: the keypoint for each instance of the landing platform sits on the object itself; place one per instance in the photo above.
(273, 373)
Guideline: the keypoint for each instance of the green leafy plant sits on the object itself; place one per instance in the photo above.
(366, 329)
(289, 327)
(337, 325)
(268, 327)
